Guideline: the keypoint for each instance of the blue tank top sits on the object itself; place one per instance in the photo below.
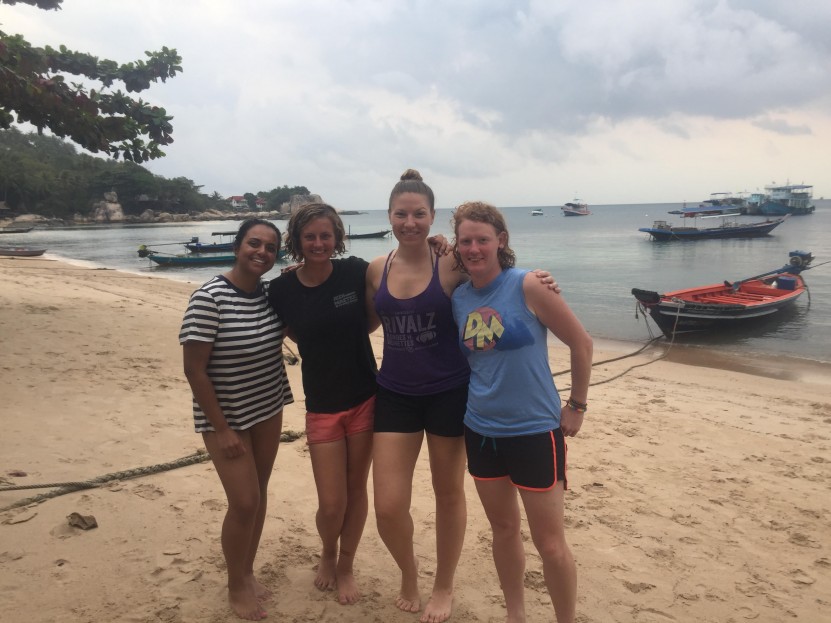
(421, 352)
(511, 391)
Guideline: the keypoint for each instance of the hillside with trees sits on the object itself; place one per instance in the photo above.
(46, 175)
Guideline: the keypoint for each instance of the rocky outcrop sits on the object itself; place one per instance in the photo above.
(109, 210)
(299, 200)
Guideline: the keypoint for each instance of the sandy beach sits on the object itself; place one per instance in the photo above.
(698, 487)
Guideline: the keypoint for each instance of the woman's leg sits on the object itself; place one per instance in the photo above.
(359, 458)
(545, 511)
(242, 526)
(329, 467)
(499, 500)
(447, 466)
(393, 464)
(265, 440)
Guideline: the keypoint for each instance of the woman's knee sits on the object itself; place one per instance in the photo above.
(245, 503)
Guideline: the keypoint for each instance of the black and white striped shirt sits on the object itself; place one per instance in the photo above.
(246, 363)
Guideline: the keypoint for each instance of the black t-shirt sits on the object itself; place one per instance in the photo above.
(329, 323)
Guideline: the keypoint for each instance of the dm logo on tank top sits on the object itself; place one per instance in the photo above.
(483, 329)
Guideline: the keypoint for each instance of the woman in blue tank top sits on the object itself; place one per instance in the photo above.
(515, 425)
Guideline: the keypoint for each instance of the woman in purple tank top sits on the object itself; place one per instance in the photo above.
(422, 389)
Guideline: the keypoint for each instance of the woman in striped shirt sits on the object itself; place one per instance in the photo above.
(232, 347)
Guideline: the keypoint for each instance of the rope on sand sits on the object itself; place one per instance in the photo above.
(62, 488)
(617, 376)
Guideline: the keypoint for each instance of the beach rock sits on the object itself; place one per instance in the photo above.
(109, 210)
(299, 200)
(148, 216)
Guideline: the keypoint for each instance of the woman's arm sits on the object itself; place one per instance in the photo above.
(196, 354)
(557, 317)
(373, 281)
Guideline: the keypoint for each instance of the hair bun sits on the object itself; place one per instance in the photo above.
(412, 174)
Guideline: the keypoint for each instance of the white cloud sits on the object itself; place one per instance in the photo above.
(518, 103)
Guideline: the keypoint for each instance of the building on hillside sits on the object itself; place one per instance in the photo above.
(237, 202)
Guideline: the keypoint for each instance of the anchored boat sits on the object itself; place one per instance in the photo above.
(663, 231)
(726, 304)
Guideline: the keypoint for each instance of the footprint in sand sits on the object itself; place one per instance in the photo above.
(214, 505)
(148, 492)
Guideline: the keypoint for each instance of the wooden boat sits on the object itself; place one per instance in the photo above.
(21, 252)
(195, 259)
(194, 246)
(16, 230)
(375, 234)
(726, 304)
(575, 208)
(663, 231)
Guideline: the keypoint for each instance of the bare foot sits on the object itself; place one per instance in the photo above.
(409, 599)
(326, 580)
(348, 592)
(439, 608)
(245, 604)
(262, 592)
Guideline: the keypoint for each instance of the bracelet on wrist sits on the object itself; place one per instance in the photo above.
(576, 405)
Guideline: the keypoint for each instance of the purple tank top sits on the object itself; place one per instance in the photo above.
(421, 344)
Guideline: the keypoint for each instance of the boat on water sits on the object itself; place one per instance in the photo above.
(195, 246)
(375, 234)
(728, 304)
(21, 252)
(16, 230)
(575, 208)
(537, 212)
(663, 231)
(788, 199)
(193, 259)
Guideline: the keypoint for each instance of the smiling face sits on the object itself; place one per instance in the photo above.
(410, 218)
(317, 240)
(478, 246)
(258, 251)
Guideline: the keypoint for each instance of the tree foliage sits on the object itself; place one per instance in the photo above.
(34, 88)
(47, 175)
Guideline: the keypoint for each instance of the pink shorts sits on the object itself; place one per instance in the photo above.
(326, 427)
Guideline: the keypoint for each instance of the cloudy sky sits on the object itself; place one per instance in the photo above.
(529, 102)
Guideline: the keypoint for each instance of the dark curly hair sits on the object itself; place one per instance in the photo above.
(247, 224)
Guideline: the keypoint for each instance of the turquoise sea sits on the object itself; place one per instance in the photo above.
(597, 260)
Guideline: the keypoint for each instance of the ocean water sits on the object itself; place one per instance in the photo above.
(597, 260)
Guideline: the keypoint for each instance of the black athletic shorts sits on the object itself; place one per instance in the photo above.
(439, 414)
(533, 462)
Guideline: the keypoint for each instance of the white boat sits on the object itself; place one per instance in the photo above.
(537, 212)
(575, 208)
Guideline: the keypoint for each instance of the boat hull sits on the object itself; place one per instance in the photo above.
(21, 252)
(192, 260)
(721, 306)
(375, 234)
(752, 230)
(215, 247)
